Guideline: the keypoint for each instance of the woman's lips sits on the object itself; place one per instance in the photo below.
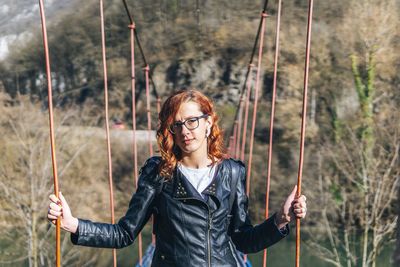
(187, 141)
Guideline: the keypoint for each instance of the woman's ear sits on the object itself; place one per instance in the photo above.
(208, 131)
(209, 125)
(209, 121)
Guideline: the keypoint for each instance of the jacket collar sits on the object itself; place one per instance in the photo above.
(183, 189)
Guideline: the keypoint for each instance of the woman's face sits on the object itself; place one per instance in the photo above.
(191, 141)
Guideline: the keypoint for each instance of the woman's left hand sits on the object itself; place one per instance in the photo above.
(293, 207)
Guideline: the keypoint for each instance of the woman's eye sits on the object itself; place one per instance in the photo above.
(191, 121)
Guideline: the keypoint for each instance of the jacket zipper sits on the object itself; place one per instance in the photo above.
(233, 252)
(208, 228)
(209, 238)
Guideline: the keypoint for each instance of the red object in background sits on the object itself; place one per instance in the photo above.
(118, 125)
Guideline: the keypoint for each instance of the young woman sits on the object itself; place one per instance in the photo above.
(195, 192)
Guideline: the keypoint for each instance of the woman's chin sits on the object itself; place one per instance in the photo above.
(189, 149)
(192, 147)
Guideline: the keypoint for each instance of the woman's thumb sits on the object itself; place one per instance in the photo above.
(293, 193)
(63, 201)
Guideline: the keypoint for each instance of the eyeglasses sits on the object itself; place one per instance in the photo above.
(190, 124)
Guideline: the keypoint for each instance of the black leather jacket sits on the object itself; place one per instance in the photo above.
(190, 230)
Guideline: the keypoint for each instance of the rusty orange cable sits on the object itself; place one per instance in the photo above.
(247, 82)
(235, 131)
(272, 116)
(246, 113)
(130, 15)
(239, 131)
(230, 146)
(134, 144)
(257, 86)
(146, 70)
(110, 180)
(234, 137)
(51, 124)
(303, 124)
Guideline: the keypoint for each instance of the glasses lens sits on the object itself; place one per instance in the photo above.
(175, 127)
(192, 123)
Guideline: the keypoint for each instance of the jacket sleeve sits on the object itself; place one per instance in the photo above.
(123, 233)
(246, 237)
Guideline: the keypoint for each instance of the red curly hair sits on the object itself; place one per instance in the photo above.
(170, 153)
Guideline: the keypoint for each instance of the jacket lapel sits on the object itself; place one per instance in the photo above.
(213, 190)
(183, 188)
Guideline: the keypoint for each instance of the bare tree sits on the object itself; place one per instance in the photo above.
(362, 196)
(26, 182)
(359, 178)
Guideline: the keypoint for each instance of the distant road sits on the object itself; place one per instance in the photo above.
(124, 136)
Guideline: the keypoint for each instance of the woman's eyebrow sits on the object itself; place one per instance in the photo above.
(189, 117)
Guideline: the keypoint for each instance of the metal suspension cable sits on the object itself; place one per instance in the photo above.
(261, 44)
(134, 144)
(51, 124)
(232, 147)
(146, 64)
(234, 129)
(147, 79)
(272, 116)
(130, 17)
(141, 49)
(303, 123)
(246, 113)
(147, 70)
(240, 120)
(234, 137)
(253, 52)
(246, 85)
(110, 179)
(257, 86)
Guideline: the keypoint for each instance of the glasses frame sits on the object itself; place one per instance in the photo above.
(180, 124)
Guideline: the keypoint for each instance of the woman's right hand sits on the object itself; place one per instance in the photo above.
(58, 208)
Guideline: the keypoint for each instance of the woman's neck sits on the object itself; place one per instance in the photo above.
(196, 161)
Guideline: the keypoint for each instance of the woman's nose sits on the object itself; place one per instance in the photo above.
(183, 130)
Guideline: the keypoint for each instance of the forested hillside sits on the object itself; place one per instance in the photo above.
(351, 171)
